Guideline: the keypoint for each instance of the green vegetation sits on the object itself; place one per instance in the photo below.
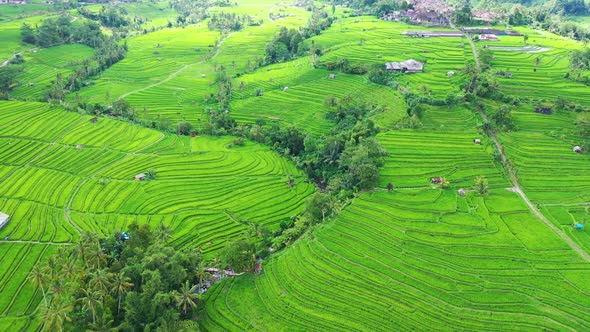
(255, 165)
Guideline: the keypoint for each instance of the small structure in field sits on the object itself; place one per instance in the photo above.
(258, 268)
(505, 74)
(579, 226)
(578, 149)
(4, 218)
(332, 76)
(291, 182)
(140, 177)
(212, 270)
(94, 120)
(286, 89)
(389, 186)
(451, 74)
(408, 66)
(461, 192)
(436, 180)
(488, 37)
(477, 141)
(544, 110)
(31, 84)
(79, 147)
(433, 34)
(203, 75)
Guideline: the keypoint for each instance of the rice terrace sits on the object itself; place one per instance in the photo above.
(298, 165)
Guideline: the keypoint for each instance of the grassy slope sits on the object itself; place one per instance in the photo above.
(205, 191)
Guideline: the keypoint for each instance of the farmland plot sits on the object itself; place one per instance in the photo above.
(418, 257)
(58, 178)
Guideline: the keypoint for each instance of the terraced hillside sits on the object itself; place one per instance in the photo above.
(539, 70)
(171, 72)
(60, 174)
(367, 40)
(418, 258)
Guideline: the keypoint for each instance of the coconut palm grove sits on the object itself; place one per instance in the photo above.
(294, 165)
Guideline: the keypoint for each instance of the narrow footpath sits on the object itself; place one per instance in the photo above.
(514, 179)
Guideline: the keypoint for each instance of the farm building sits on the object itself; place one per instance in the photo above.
(140, 177)
(488, 37)
(577, 149)
(94, 120)
(505, 74)
(436, 180)
(544, 110)
(408, 66)
(461, 192)
(490, 31)
(451, 74)
(79, 147)
(4, 218)
(579, 226)
(332, 76)
(433, 34)
(477, 141)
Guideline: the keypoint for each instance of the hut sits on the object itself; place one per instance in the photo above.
(477, 141)
(461, 192)
(577, 149)
(332, 76)
(203, 75)
(436, 180)
(94, 120)
(579, 226)
(79, 147)
(544, 110)
(408, 66)
(140, 177)
(4, 218)
(286, 89)
(451, 74)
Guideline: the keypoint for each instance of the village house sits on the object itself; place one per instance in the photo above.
(408, 66)
(4, 218)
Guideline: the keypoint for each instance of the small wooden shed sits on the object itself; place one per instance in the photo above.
(477, 141)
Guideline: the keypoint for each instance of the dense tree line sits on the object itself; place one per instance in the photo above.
(110, 16)
(132, 281)
(226, 22)
(287, 44)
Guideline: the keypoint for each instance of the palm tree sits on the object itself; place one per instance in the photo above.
(120, 285)
(39, 277)
(187, 298)
(481, 185)
(202, 274)
(55, 316)
(163, 233)
(90, 300)
(100, 281)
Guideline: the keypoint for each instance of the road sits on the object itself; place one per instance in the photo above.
(514, 179)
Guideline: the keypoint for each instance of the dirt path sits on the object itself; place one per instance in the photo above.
(513, 178)
(518, 190)
(174, 74)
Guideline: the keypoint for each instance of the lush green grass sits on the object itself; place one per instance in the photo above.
(206, 191)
